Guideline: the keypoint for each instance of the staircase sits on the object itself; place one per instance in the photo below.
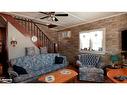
(29, 28)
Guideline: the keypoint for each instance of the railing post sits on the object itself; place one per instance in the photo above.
(55, 48)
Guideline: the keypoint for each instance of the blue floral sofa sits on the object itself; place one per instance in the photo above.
(36, 65)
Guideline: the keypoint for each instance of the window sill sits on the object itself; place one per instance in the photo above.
(92, 52)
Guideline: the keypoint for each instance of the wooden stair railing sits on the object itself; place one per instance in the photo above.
(29, 28)
(34, 30)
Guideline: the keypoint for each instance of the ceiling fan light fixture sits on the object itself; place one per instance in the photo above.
(53, 18)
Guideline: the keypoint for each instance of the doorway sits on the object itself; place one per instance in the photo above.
(3, 51)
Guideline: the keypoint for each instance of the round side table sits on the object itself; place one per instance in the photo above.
(112, 73)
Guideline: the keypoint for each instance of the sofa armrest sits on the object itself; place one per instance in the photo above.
(102, 65)
(12, 74)
(22, 78)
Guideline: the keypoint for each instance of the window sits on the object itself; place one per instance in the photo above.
(66, 34)
(92, 40)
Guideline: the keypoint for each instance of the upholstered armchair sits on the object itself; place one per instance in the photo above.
(90, 68)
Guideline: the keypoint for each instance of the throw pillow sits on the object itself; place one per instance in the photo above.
(19, 70)
(58, 60)
(43, 50)
(30, 51)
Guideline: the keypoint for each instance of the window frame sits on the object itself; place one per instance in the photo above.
(103, 41)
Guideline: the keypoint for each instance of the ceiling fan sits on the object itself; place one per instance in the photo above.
(52, 15)
(36, 22)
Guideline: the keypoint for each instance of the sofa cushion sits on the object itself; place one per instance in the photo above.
(19, 70)
(28, 62)
(43, 50)
(32, 63)
(52, 67)
(91, 70)
(30, 51)
(48, 58)
(57, 66)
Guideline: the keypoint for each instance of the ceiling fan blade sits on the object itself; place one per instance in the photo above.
(61, 14)
(44, 17)
(47, 25)
(46, 13)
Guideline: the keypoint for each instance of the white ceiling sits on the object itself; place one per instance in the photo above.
(73, 18)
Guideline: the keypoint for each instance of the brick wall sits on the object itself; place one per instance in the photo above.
(113, 25)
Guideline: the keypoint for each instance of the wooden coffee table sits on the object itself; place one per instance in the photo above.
(60, 76)
(117, 72)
